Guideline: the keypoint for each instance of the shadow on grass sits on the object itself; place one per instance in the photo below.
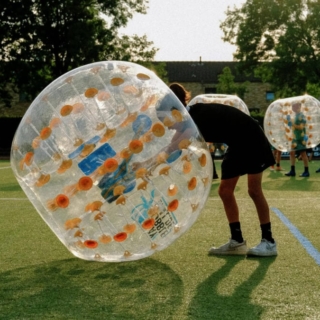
(208, 303)
(10, 187)
(77, 289)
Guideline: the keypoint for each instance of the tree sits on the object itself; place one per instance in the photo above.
(227, 85)
(278, 40)
(41, 40)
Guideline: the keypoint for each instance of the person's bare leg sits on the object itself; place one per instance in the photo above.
(257, 196)
(305, 159)
(267, 246)
(292, 158)
(278, 156)
(226, 193)
(236, 245)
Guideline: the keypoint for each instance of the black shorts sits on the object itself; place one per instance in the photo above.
(239, 162)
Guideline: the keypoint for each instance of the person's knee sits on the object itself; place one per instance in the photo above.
(254, 193)
(224, 192)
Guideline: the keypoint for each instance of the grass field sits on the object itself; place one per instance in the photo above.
(40, 279)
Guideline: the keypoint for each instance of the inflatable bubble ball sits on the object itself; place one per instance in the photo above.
(112, 162)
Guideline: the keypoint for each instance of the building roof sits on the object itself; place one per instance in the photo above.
(203, 71)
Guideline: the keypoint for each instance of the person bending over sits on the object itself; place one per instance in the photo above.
(218, 122)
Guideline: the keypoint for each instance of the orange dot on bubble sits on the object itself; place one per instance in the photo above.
(136, 146)
(202, 160)
(158, 129)
(28, 158)
(90, 244)
(127, 254)
(85, 183)
(121, 200)
(36, 142)
(143, 185)
(55, 122)
(147, 137)
(116, 81)
(105, 239)
(143, 76)
(87, 149)
(177, 115)
(148, 223)
(65, 165)
(45, 133)
(153, 211)
(118, 190)
(130, 90)
(184, 144)
(192, 183)
(187, 167)
(110, 133)
(172, 190)
(205, 181)
(93, 206)
(141, 173)
(110, 165)
(125, 153)
(66, 110)
(168, 122)
(72, 223)
(165, 170)
(150, 101)
(98, 216)
(173, 205)
(91, 92)
(62, 201)
(78, 234)
(44, 179)
(162, 157)
(120, 237)
(78, 107)
(130, 228)
(103, 95)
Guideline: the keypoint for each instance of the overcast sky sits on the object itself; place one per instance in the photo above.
(185, 30)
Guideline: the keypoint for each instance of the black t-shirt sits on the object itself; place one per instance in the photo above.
(221, 123)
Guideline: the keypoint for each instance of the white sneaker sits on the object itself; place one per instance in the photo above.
(233, 247)
(263, 249)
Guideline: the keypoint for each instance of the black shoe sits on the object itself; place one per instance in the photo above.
(318, 170)
(305, 174)
(290, 174)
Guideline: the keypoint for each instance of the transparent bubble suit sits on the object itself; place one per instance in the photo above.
(293, 124)
(226, 99)
(112, 162)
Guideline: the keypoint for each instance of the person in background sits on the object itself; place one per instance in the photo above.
(233, 127)
(298, 142)
(309, 152)
(277, 157)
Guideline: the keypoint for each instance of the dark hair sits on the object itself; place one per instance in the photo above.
(183, 95)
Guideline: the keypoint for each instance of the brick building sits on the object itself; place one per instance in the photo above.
(202, 77)
(196, 76)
